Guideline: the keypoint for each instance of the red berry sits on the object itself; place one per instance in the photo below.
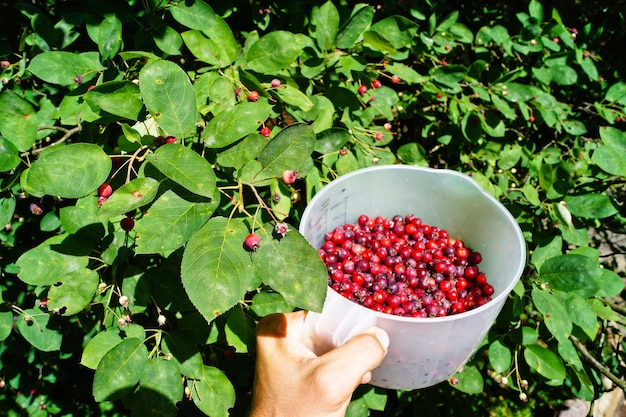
(170, 139)
(127, 224)
(289, 176)
(376, 84)
(253, 96)
(531, 119)
(395, 79)
(379, 136)
(276, 83)
(362, 89)
(438, 95)
(105, 190)
(252, 242)
(265, 131)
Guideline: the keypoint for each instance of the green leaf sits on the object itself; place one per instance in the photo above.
(546, 251)
(564, 74)
(590, 206)
(18, 122)
(7, 208)
(243, 152)
(574, 127)
(397, 30)
(118, 372)
(47, 263)
(9, 155)
(107, 34)
(169, 97)
(265, 303)
(160, 387)
(130, 196)
(535, 10)
(571, 273)
(70, 171)
(172, 220)
(75, 292)
(470, 380)
(352, 31)
(185, 167)
(39, 330)
(610, 284)
(273, 52)
(184, 352)
(294, 97)
(213, 393)
(65, 68)
(119, 98)
(291, 266)
(200, 16)
(610, 159)
(6, 324)
(291, 149)
(331, 140)
(216, 270)
(616, 92)
(206, 49)
(546, 363)
(554, 313)
(239, 331)
(325, 21)
(579, 311)
(499, 356)
(232, 124)
(168, 40)
(98, 346)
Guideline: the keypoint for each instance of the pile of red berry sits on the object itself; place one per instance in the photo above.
(405, 267)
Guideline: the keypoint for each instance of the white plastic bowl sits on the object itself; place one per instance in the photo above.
(422, 351)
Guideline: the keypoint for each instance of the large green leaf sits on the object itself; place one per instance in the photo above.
(499, 356)
(213, 393)
(130, 196)
(554, 313)
(546, 363)
(39, 330)
(206, 49)
(352, 30)
(6, 324)
(169, 96)
(160, 388)
(216, 270)
(119, 98)
(591, 206)
(70, 171)
(118, 372)
(9, 155)
(75, 292)
(273, 52)
(291, 266)
(185, 167)
(239, 331)
(243, 152)
(571, 272)
(469, 380)
(107, 34)
(66, 68)
(7, 208)
(326, 23)
(18, 121)
(610, 158)
(232, 124)
(98, 346)
(184, 353)
(290, 149)
(171, 221)
(47, 263)
(294, 97)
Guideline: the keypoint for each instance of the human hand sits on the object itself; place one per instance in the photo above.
(291, 381)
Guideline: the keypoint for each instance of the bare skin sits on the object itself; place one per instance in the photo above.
(291, 381)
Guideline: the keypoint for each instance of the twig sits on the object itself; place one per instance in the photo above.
(67, 134)
(596, 364)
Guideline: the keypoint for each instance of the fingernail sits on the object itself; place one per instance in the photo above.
(382, 336)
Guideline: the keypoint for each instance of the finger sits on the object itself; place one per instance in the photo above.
(281, 324)
(364, 352)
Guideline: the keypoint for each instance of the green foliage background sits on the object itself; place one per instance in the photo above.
(152, 97)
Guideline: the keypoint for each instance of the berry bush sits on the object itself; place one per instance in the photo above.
(156, 156)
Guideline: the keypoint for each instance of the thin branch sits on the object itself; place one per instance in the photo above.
(596, 364)
(67, 134)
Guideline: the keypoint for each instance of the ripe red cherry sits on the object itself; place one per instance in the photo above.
(252, 242)
(376, 84)
(362, 89)
(105, 190)
(265, 131)
(253, 96)
(127, 224)
(395, 79)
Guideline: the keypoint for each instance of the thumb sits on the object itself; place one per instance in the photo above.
(364, 352)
